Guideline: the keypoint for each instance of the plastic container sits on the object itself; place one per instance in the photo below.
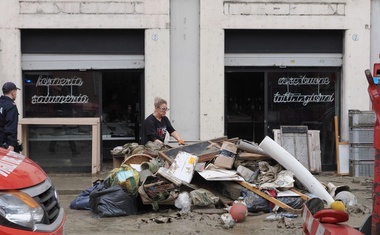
(357, 118)
(362, 135)
(362, 152)
(361, 168)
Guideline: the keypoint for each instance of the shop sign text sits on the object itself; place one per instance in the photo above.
(290, 97)
(59, 84)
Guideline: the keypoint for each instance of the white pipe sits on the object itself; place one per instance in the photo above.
(288, 161)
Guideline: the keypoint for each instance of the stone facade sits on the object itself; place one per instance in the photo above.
(353, 17)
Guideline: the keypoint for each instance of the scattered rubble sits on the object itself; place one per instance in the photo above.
(190, 179)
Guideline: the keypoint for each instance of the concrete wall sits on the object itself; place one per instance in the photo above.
(211, 69)
(152, 15)
(375, 32)
(163, 78)
(184, 67)
(351, 16)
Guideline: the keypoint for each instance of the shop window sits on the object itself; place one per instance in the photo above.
(61, 94)
(297, 98)
(259, 102)
(61, 148)
(305, 98)
(113, 96)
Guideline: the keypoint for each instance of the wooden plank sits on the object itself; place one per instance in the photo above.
(314, 151)
(269, 198)
(337, 140)
(252, 156)
(117, 160)
(303, 196)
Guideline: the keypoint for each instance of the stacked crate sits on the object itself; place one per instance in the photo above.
(362, 152)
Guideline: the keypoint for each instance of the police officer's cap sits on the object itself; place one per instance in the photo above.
(9, 86)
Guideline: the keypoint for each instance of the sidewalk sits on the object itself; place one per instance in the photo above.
(75, 183)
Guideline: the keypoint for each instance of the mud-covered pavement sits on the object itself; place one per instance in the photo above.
(169, 221)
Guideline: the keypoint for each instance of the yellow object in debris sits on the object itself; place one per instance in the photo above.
(338, 205)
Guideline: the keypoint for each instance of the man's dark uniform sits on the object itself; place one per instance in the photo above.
(8, 122)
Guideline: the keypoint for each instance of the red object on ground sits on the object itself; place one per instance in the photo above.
(312, 226)
(331, 216)
(239, 211)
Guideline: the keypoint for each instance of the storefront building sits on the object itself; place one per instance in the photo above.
(89, 71)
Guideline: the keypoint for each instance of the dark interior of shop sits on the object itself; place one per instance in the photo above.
(121, 109)
(245, 105)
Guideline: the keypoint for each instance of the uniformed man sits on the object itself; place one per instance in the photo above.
(9, 117)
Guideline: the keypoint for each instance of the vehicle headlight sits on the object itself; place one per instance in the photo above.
(21, 209)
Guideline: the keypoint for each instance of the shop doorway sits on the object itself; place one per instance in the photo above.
(121, 114)
(261, 100)
(245, 105)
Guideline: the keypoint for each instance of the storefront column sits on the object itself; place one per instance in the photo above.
(157, 67)
(10, 57)
(211, 69)
(356, 59)
(211, 83)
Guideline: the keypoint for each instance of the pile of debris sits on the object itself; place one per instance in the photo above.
(229, 176)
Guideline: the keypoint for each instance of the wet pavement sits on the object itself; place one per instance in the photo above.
(86, 223)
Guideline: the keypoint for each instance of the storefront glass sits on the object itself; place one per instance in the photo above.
(305, 98)
(113, 96)
(259, 101)
(58, 148)
(301, 98)
(61, 94)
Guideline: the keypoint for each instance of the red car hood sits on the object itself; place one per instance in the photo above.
(18, 171)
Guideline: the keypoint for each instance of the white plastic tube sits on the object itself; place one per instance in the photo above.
(288, 161)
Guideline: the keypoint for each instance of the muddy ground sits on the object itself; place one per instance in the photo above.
(169, 221)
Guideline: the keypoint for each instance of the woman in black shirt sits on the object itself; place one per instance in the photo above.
(157, 124)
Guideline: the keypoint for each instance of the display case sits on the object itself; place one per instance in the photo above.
(66, 146)
(62, 144)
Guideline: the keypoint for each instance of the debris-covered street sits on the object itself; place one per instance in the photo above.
(194, 202)
(82, 222)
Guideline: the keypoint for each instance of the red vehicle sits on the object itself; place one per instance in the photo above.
(29, 204)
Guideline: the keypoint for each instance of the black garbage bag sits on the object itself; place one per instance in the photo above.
(254, 202)
(113, 201)
(293, 202)
(82, 201)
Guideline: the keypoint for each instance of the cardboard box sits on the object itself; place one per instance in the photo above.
(225, 162)
(226, 156)
(230, 147)
(183, 166)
